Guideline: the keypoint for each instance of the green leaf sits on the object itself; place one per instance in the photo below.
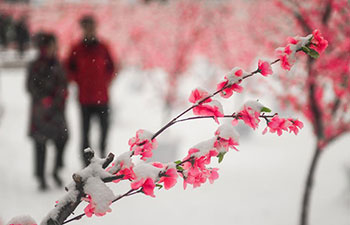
(265, 109)
(221, 156)
(305, 49)
(179, 168)
(314, 54)
(178, 162)
(159, 186)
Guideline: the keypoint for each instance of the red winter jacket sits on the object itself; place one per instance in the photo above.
(90, 65)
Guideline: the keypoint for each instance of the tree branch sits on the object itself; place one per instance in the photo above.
(173, 121)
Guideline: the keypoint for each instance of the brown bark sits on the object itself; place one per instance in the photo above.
(309, 186)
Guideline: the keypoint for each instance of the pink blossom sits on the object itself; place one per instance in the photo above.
(287, 50)
(286, 56)
(295, 126)
(238, 73)
(225, 142)
(231, 81)
(318, 42)
(250, 117)
(169, 179)
(90, 209)
(195, 177)
(142, 144)
(197, 95)
(200, 160)
(277, 124)
(264, 68)
(158, 165)
(292, 40)
(234, 122)
(147, 185)
(195, 171)
(214, 175)
(227, 92)
(285, 64)
(128, 174)
(212, 108)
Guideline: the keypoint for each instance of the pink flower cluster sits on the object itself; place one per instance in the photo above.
(147, 185)
(208, 107)
(249, 116)
(226, 138)
(142, 144)
(264, 68)
(90, 209)
(318, 42)
(278, 125)
(287, 54)
(195, 171)
(231, 81)
(199, 157)
(126, 172)
(164, 174)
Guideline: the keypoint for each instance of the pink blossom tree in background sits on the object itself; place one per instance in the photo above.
(319, 89)
(185, 30)
(167, 40)
(194, 169)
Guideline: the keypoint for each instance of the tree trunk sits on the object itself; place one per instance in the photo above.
(308, 187)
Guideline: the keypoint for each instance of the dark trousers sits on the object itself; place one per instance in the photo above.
(40, 157)
(88, 112)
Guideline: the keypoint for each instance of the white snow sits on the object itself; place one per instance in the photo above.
(145, 135)
(70, 196)
(254, 105)
(227, 131)
(23, 220)
(101, 195)
(145, 170)
(94, 169)
(124, 158)
(215, 103)
(204, 147)
(231, 76)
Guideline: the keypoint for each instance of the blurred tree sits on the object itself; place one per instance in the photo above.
(321, 90)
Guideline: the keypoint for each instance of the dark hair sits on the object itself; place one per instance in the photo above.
(87, 20)
(44, 39)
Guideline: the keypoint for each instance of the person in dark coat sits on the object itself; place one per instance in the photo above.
(47, 87)
(22, 35)
(91, 66)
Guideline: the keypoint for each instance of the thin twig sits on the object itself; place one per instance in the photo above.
(129, 193)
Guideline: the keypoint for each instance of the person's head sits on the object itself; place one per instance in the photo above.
(46, 43)
(88, 25)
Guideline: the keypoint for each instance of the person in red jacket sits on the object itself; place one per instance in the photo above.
(91, 66)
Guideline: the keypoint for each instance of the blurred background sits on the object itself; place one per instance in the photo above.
(165, 49)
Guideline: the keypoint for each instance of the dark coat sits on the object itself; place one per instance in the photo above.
(47, 86)
(91, 66)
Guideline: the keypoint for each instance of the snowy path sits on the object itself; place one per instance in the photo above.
(261, 184)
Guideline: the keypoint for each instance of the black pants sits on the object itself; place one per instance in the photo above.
(102, 112)
(40, 157)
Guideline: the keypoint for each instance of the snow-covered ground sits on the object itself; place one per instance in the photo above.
(260, 184)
